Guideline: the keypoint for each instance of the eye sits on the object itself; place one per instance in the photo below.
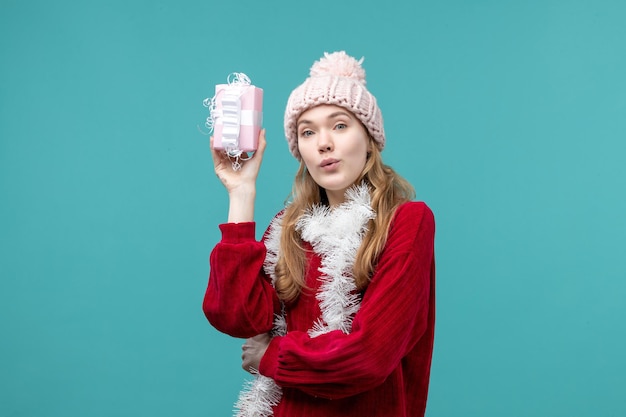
(341, 126)
(306, 133)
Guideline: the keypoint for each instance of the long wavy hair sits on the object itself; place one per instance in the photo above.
(387, 190)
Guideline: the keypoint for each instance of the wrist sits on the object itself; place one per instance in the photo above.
(268, 365)
(241, 207)
(243, 192)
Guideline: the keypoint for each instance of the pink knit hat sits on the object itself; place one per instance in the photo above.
(337, 79)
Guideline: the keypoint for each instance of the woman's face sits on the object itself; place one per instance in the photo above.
(333, 145)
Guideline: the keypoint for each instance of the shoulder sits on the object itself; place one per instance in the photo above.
(412, 222)
(414, 212)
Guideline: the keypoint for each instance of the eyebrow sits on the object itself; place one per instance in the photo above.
(330, 116)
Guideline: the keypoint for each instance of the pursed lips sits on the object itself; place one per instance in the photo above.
(327, 162)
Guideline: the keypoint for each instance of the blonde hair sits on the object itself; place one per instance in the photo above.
(387, 190)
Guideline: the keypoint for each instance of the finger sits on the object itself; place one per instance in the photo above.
(261, 145)
(262, 337)
(214, 154)
(262, 141)
(219, 158)
(246, 363)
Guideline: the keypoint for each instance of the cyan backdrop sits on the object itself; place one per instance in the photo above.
(509, 117)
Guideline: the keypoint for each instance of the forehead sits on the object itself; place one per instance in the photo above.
(323, 111)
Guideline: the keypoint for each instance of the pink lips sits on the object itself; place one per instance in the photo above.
(328, 163)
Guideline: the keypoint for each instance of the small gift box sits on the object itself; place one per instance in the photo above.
(236, 115)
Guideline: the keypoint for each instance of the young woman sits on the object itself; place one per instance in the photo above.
(337, 301)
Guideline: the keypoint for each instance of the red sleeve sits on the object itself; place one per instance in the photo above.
(394, 315)
(239, 300)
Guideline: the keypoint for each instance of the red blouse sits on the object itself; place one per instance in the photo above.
(381, 368)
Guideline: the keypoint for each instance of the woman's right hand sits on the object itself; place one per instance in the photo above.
(241, 183)
(243, 179)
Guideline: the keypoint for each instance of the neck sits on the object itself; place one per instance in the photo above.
(336, 197)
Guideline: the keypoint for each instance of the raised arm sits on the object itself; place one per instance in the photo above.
(240, 184)
(239, 299)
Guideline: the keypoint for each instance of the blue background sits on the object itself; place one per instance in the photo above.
(508, 117)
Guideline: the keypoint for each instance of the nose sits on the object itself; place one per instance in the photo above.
(324, 141)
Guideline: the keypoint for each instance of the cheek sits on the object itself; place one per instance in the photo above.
(361, 152)
(306, 156)
(304, 151)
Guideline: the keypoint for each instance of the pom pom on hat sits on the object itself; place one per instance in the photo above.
(338, 79)
(339, 64)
